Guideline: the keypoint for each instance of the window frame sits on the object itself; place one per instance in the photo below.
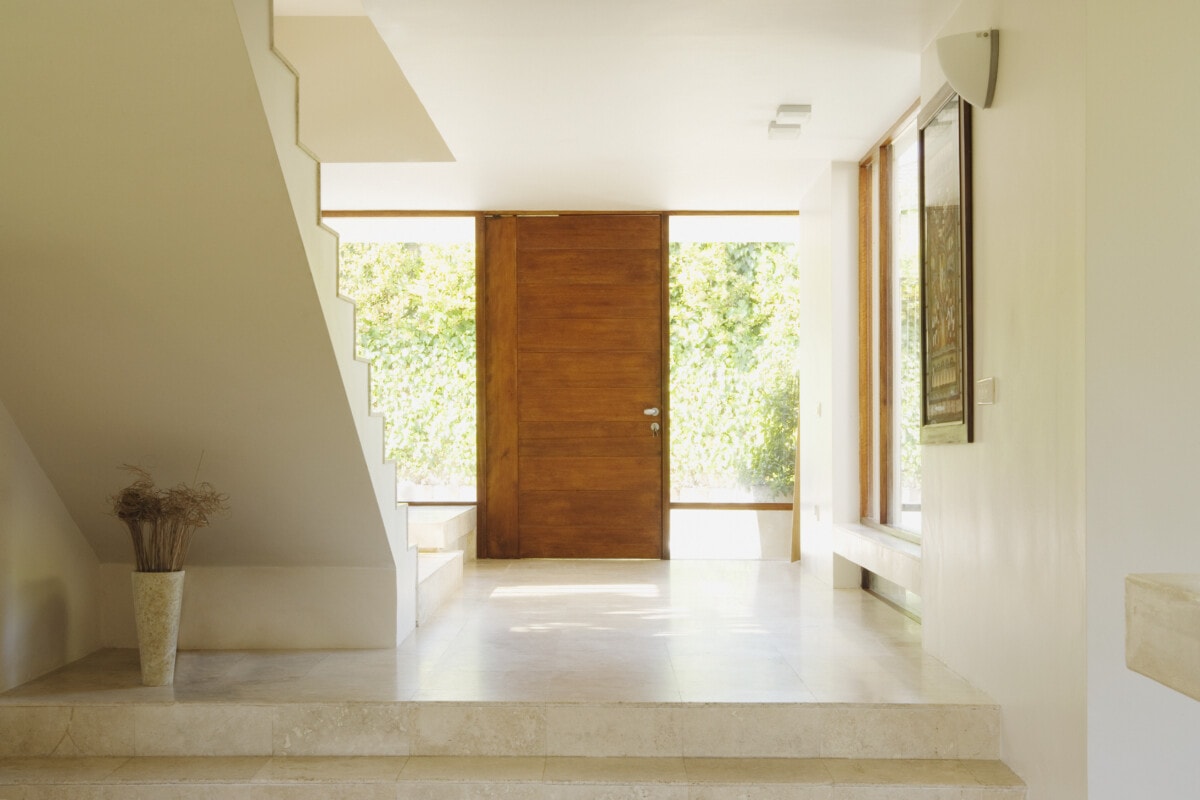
(877, 406)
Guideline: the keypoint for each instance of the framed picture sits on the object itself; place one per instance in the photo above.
(945, 237)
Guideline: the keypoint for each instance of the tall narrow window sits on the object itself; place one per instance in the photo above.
(890, 310)
(733, 384)
(413, 283)
(905, 320)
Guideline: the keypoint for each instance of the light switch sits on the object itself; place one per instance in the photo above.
(985, 391)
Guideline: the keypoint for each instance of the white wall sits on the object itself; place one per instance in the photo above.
(1143, 330)
(268, 608)
(828, 420)
(48, 573)
(355, 103)
(162, 297)
(1004, 535)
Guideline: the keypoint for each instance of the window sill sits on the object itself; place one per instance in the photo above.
(880, 551)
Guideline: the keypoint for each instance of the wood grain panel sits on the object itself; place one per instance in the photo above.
(865, 385)
(594, 301)
(603, 232)
(643, 443)
(590, 541)
(582, 268)
(588, 334)
(583, 312)
(584, 405)
(499, 526)
(582, 474)
(884, 386)
(621, 509)
(582, 370)
(593, 429)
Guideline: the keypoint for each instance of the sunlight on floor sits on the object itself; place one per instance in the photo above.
(731, 535)
(623, 590)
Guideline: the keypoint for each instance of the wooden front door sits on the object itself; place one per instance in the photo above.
(572, 359)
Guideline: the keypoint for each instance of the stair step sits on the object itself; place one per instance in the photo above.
(439, 578)
(445, 728)
(528, 777)
(443, 528)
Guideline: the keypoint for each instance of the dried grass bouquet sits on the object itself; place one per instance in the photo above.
(161, 521)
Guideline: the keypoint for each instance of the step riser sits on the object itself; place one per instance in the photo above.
(443, 790)
(473, 729)
(549, 778)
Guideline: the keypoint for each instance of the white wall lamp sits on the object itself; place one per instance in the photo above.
(787, 122)
(969, 63)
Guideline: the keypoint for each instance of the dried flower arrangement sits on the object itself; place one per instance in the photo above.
(161, 521)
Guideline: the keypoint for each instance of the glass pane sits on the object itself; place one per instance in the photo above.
(734, 341)
(906, 335)
(413, 283)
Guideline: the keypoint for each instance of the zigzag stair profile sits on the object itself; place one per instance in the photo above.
(279, 88)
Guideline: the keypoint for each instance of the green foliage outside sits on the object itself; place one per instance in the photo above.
(416, 325)
(734, 341)
(910, 375)
(734, 324)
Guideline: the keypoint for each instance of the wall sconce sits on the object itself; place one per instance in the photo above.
(969, 63)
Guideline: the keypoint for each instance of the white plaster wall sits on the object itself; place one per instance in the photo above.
(1143, 334)
(814, 461)
(1003, 561)
(269, 608)
(48, 572)
(355, 103)
(843, 284)
(828, 418)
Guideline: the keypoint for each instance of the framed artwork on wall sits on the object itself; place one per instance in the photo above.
(945, 237)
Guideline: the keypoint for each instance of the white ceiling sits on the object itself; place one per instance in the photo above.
(634, 104)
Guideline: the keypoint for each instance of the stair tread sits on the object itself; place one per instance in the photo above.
(490, 770)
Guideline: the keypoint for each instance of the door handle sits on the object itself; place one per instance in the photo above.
(650, 412)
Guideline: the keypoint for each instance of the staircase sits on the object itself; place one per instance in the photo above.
(279, 89)
(445, 537)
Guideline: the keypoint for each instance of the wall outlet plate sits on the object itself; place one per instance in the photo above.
(985, 391)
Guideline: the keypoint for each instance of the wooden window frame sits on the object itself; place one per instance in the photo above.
(876, 405)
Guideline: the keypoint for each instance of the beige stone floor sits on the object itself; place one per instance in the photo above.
(581, 631)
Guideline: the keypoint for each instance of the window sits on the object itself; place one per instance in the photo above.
(413, 283)
(734, 322)
(890, 330)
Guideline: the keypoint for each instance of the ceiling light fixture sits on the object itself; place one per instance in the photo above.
(777, 131)
(787, 121)
(793, 114)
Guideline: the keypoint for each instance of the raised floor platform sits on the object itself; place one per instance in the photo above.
(542, 679)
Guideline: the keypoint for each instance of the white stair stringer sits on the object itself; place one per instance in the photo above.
(279, 90)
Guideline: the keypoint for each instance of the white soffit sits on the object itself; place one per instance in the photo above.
(319, 8)
(355, 103)
(626, 104)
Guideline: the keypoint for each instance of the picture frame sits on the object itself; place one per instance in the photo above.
(947, 414)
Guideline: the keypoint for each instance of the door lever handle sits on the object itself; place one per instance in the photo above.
(650, 412)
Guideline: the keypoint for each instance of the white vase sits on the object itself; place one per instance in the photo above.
(157, 599)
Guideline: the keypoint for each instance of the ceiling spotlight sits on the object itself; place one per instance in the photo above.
(777, 131)
(792, 114)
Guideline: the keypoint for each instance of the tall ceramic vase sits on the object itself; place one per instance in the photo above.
(157, 599)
